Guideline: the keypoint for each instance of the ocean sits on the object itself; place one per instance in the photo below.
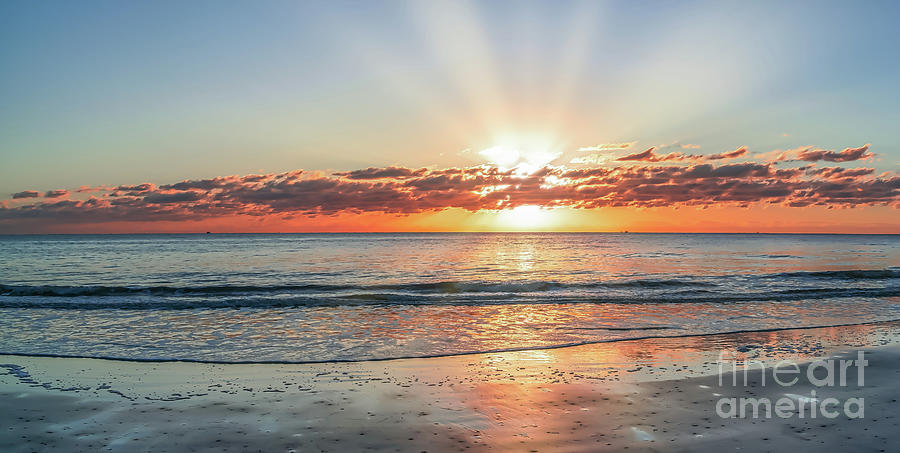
(346, 297)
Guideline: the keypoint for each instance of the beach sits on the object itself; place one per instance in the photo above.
(655, 394)
(438, 226)
(448, 342)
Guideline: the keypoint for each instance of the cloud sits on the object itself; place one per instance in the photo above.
(839, 172)
(26, 194)
(172, 197)
(650, 156)
(728, 155)
(91, 189)
(137, 188)
(595, 159)
(56, 193)
(607, 147)
(400, 190)
(813, 154)
(847, 155)
(376, 173)
(525, 161)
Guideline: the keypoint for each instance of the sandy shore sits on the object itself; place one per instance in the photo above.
(645, 395)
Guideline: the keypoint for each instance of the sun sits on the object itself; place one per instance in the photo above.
(523, 152)
(526, 217)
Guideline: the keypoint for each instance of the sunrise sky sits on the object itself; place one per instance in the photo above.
(449, 116)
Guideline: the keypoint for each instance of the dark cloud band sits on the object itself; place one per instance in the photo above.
(402, 190)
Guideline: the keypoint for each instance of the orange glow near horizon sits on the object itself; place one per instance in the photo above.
(871, 220)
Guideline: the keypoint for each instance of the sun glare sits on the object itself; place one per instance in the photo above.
(524, 152)
(527, 217)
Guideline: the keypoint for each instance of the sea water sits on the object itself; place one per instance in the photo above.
(326, 297)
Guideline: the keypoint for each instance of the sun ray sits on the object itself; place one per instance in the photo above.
(457, 38)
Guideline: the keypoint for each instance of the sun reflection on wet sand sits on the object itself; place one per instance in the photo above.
(546, 398)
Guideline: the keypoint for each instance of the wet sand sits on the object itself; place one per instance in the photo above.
(644, 395)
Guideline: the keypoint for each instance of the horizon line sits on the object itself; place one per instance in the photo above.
(210, 233)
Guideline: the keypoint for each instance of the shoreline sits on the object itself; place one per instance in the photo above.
(440, 356)
(640, 394)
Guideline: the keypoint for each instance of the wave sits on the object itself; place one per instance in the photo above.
(96, 290)
(785, 286)
(444, 287)
(372, 299)
(440, 287)
(451, 354)
(625, 329)
(853, 274)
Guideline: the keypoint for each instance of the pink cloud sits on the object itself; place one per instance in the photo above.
(813, 154)
(728, 155)
(847, 155)
(650, 156)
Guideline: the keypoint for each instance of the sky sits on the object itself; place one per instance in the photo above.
(449, 116)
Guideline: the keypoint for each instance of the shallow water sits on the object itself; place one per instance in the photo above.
(318, 297)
